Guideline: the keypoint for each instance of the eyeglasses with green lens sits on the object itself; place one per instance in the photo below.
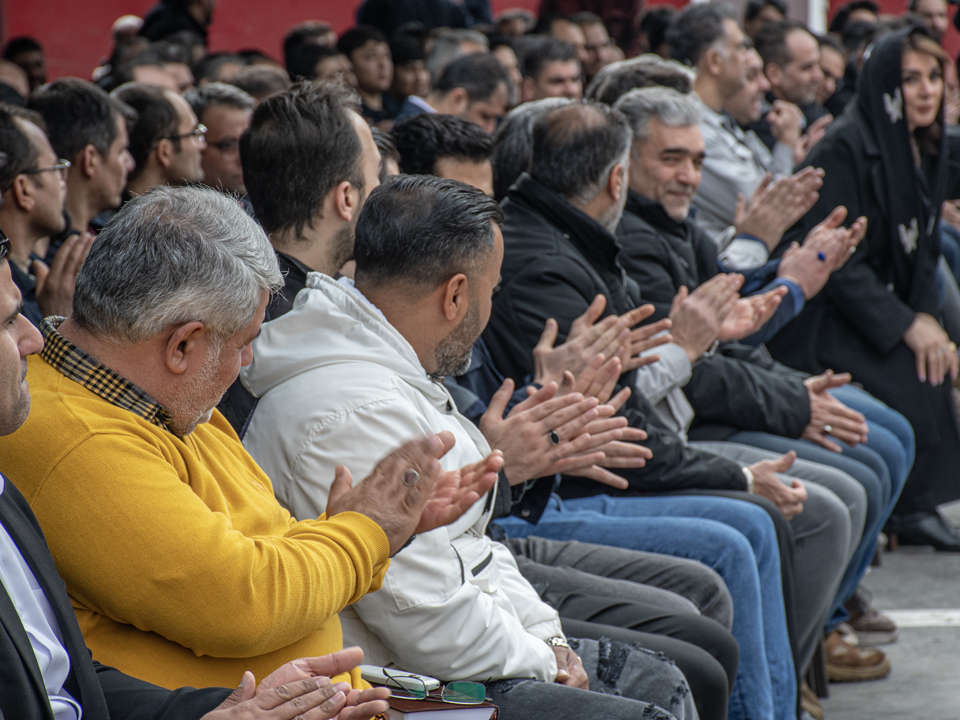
(411, 687)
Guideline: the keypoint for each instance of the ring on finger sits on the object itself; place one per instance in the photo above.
(410, 478)
(827, 429)
(554, 437)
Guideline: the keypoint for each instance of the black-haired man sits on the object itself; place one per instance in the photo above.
(368, 51)
(89, 128)
(28, 54)
(446, 146)
(475, 87)
(224, 110)
(757, 13)
(550, 68)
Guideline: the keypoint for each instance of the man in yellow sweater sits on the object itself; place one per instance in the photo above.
(181, 566)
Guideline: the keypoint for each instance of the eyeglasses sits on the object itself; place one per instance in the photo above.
(198, 132)
(62, 166)
(412, 687)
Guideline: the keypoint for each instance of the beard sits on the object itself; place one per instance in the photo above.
(198, 396)
(611, 218)
(341, 246)
(454, 352)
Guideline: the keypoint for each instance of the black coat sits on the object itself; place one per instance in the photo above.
(740, 387)
(556, 260)
(102, 692)
(856, 323)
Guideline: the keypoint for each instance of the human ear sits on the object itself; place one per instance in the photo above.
(616, 181)
(165, 153)
(186, 345)
(346, 200)
(89, 161)
(455, 297)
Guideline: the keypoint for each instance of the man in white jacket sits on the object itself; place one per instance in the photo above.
(351, 369)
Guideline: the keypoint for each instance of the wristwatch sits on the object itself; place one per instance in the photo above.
(748, 474)
(558, 641)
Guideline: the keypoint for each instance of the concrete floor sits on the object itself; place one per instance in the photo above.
(925, 680)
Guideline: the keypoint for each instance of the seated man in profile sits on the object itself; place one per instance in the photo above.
(366, 368)
(181, 566)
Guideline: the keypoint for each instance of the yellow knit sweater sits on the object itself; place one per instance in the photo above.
(182, 567)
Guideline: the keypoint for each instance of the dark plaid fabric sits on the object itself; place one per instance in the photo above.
(74, 363)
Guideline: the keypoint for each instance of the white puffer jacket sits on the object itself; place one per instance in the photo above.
(339, 385)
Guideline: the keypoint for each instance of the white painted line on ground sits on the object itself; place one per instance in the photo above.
(925, 618)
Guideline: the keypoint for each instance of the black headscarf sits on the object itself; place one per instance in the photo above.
(914, 195)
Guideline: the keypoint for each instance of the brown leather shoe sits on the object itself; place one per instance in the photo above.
(872, 627)
(847, 663)
(810, 702)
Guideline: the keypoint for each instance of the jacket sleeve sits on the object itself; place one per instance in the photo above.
(747, 396)
(643, 261)
(558, 288)
(169, 564)
(128, 697)
(672, 371)
(854, 290)
(674, 466)
(438, 589)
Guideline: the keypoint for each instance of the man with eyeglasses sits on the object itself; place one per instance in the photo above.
(32, 180)
(225, 111)
(166, 141)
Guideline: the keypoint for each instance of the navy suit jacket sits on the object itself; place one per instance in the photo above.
(102, 692)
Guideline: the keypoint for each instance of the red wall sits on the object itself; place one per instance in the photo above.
(76, 33)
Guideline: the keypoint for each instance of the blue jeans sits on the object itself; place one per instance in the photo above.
(734, 538)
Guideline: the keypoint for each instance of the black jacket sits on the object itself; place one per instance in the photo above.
(856, 323)
(741, 387)
(556, 260)
(102, 692)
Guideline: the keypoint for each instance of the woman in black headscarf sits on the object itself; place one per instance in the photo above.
(888, 158)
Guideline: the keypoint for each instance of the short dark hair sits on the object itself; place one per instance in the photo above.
(260, 81)
(753, 8)
(17, 153)
(696, 29)
(79, 113)
(302, 60)
(480, 74)
(388, 150)
(619, 78)
(19, 45)
(539, 52)
(406, 48)
(829, 41)
(156, 119)
(655, 22)
(585, 17)
(860, 34)
(839, 23)
(217, 94)
(419, 230)
(303, 34)
(771, 41)
(357, 37)
(424, 139)
(575, 147)
(299, 145)
(211, 64)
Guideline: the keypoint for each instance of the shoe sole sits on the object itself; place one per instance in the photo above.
(868, 639)
(842, 673)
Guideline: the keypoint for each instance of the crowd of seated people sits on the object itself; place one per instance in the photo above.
(590, 357)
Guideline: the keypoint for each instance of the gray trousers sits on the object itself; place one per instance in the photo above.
(827, 533)
(673, 584)
(626, 683)
(599, 592)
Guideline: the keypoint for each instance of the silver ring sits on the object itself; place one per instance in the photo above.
(553, 437)
(827, 429)
(939, 352)
(410, 478)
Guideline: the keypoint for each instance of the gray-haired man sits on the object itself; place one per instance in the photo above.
(182, 566)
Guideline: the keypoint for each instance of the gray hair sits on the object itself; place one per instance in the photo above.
(665, 104)
(171, 256)
(217, 93)
(449, 46)
(513, 142)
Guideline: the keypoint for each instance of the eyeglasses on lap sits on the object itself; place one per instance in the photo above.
(411, 687)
